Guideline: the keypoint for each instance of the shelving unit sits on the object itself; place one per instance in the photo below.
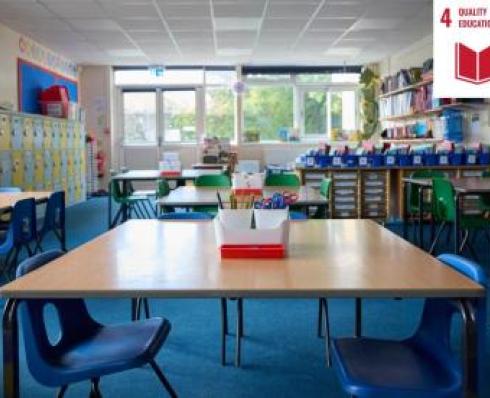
(406, 88)
(411, 140)
(428, 113)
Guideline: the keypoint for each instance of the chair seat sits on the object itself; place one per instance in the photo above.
(382, 369)
(112, 349)
(297, 216)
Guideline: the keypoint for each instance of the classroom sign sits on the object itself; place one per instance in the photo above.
(462, 48)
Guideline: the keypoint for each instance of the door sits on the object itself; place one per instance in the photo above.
(154, 118)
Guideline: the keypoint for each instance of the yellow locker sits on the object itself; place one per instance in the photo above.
(63, 134)
(76, 136)
(56, 157)
(39, 169)
(17, 168)
(48, 134)
(28, 134)
(5, 127)
(71, 163)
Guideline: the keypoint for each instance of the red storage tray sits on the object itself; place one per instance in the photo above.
(170, 173)
(253, 251)
(248, 191)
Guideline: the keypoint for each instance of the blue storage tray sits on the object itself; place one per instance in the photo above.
(431, 159)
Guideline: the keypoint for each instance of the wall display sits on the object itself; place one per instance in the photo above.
(41, 153)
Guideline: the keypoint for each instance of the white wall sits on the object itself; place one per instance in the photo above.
(415, 55)
(14, 46)
(9, 45)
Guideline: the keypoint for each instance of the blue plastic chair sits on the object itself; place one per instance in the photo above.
(54, 220)
(21, 232)
(421, 366)
(189, 215)
(10, 189)
(85, 350)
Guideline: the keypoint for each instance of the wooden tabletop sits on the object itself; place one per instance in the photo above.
(9, 199)
(200, 196)
(471, 185)
(151, 175)
(331, 258)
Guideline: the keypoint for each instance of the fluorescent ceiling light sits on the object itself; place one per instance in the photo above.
(377, 23)
(233, 52)
(224, 24)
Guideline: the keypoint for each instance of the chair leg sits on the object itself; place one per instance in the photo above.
(436, 239)
(163, 379)
(61, 391)
(320, 319)
(240, 314)
(224, 329)
(94, 390)
(147, 308)
(239, 331)
(326, 326)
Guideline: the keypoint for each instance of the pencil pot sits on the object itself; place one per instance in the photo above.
(431, 159)
(456, 159)
(350, 160)
(270, 218)
(323, 160)
(390, 160)
(484, 158)
(405, 160)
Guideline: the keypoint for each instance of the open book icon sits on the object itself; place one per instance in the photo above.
(472, 66)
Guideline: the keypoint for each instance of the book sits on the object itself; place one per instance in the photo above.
(472, 66)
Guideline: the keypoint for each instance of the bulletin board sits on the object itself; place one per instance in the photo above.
(31, 79)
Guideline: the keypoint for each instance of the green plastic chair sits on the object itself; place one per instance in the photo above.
(444, 212)
(163, 189)
(214, 180)
(211, 181)
(485, 199)
(325, 192)
(134, 202)
(282, 180)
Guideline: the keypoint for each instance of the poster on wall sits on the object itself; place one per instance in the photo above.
(462, 48)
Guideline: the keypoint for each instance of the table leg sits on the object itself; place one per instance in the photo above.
(239, 331)
(358, 320)
(224, 328)
(10, 350)
(457, 223)
(125, 207)
(470, 362)
(405, 210)
(109, 206)
(421, 217)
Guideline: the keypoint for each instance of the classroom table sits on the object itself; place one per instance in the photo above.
(172, 259)
(463, 186)
(9, 199)
(151, 175)
(190, 196)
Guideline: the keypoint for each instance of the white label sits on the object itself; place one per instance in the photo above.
(443, 159)
(461, 48)
(337, 161)
(390, 160)
(471, 159)
(363, 161)
(417, 159)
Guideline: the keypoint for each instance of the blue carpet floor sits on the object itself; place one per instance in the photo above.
(281, 357)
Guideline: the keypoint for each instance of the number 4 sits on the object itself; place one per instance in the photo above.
(446, 17)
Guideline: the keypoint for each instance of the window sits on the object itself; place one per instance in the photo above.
(179, 116)
(315, 113)
(342, 114)
(220, 112)
(139, 118)
(266, 110)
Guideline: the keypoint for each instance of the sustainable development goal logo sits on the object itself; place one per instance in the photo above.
(462, 48)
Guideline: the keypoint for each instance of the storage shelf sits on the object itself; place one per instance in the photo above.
(407, 88)
(410, 140)
(431, 112)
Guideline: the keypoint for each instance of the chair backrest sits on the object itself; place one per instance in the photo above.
(10, 189)
(55, 212)
(325, 187)
(218, 180)
(23, 224)
(116, 191)
(163, 189)
(282, 180)
(444, 207)
(435, 325)
(189, 215)
(74, 321)
(413, 194)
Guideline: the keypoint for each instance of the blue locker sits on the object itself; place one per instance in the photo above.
(38, 133)
(17, 132)
(5, 168)
(56, 135)
(28, 170)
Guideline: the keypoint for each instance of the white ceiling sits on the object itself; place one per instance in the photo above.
(222, 32)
